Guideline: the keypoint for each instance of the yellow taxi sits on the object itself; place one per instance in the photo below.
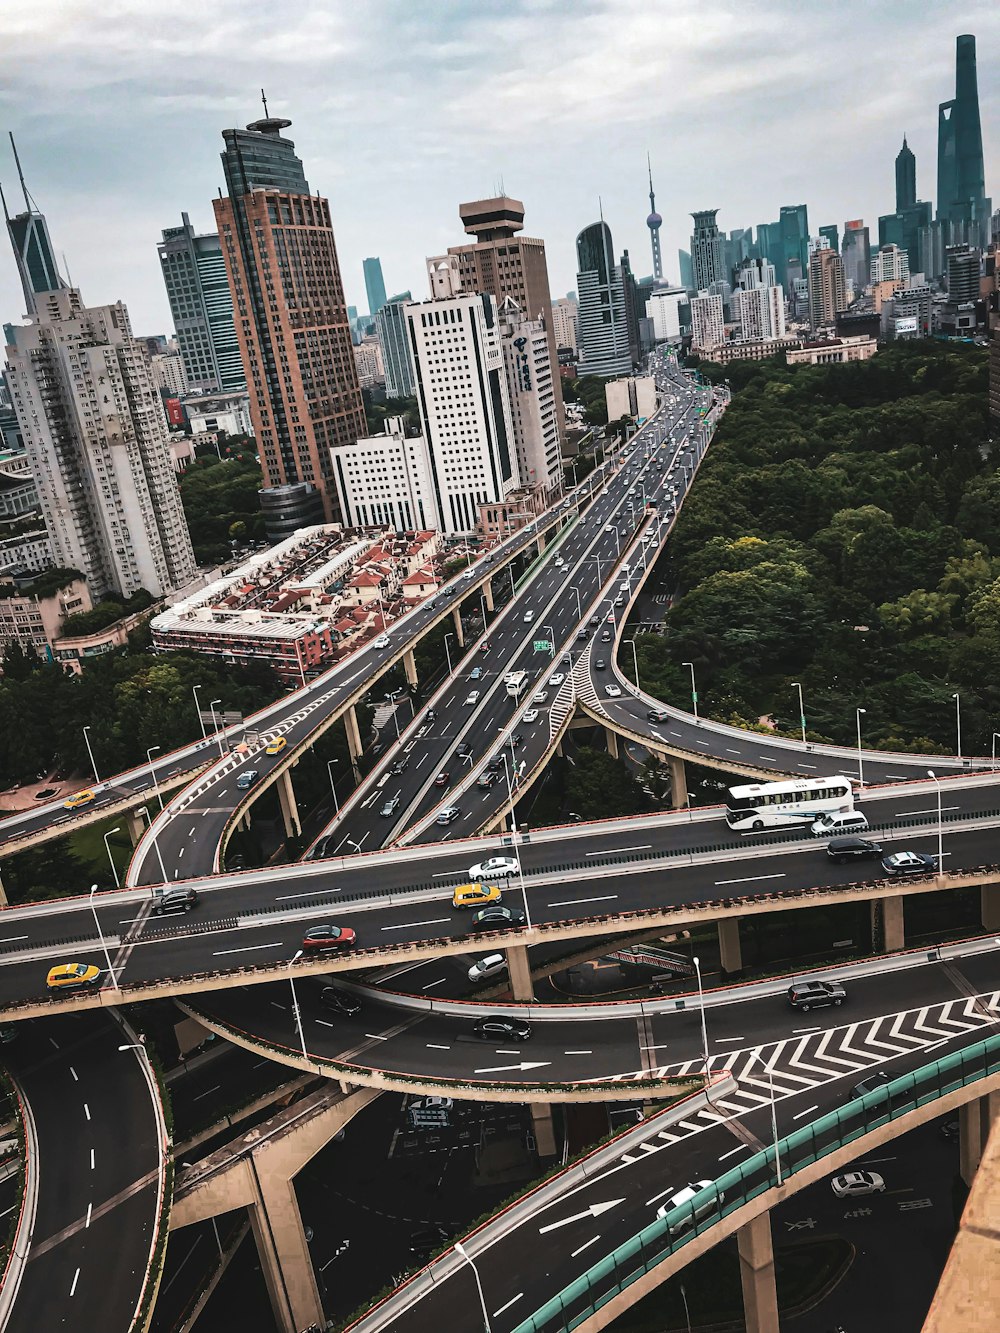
(72, 974)
(276, 745)
(475, 895)
(77, 799)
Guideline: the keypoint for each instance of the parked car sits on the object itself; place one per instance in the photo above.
(340, 1001)
(852, 849)
(498, 917)
(497, 867)
(854, 1184)
(448, 814)
(909, 863)
(806, 995)
(175, 900)
(501, 1028)
(320, 938)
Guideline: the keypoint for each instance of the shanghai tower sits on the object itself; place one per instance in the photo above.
(961, 186)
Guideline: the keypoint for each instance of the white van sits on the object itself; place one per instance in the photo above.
(841, 821)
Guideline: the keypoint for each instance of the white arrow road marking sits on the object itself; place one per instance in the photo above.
(595, 1210)
(504, 1069)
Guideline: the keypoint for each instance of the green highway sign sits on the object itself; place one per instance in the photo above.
(542, 646)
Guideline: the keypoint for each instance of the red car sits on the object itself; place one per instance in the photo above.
(328, 937)
(442, 779)
(484, 647)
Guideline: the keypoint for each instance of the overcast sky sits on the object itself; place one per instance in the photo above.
(402, 109)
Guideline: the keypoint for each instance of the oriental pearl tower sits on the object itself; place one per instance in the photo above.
(654, 222)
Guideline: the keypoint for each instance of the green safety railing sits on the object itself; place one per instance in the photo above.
(665, 1236)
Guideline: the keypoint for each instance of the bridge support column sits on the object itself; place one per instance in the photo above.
(488, 595)
(760, 1294)
(410, 667)
(970, 1139)
(678, 782)
(544, 1130)
(729, 946)
(541, 541)
(611, 736)
(135, 825)
(284, 1253)
(244, 823)
(353, 741)
(519, 971)
(3, 895)
(888, 934)
(456, 615)
(989, 906)
(289, 808)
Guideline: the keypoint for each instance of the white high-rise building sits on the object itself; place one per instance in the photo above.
(708, 323)
(890, 264)
(385, 481)
(95, 433)
(758, 303)
(368, 360)
(169, 372)
(664, 308)
(564, 317)
(532, 396)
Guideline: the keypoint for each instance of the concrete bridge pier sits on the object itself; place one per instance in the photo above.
(410, 667)
(760, 1293)
(284, 1252)
(456, 615)
(543, 1128)
(541, 541)
(989, 906)
(893, 932)
(135, 825)
(354, 746)
(519, 971)
(611, 736)
(289, 808)
(488, 595)
(729, 946)
(678, 781)
(975, 1119)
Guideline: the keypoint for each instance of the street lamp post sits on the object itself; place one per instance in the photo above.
(635, 662)
(114, 868)
(940, 855)
(552, 640)
(600, 576)
(958, 721)
(91, 753)
(861, 762)
(333, 788)
(197, 704)
(701, 1006)
(995, 735)
(463, 1253)
(218, 726)
(774, 1128)
(579, 605)
(509, 774)
(694, 690)
(802, 711)
(296, 1012)
(100, 932)
(144, 810)
(152, 772)
(447, 650)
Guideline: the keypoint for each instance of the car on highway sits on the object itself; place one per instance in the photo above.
(606, 636)
(79, 798)
(464, 750)
(382, 641)
(854, 1184)
(528, 617)
(472, 698)
(530, 716)
(486, 778)
(475, 895)
(806, 995)
(839, 821)
(870, 1084)
(516, 740)
(175, 900)
(583, 633)
(320, 938)
(497, 867)
(909, 863)
(442, 778)
(246, 780)
(556, 680)
(400, 766)
(493, 965)
(66, 976)
(275, 745)
(448, 814)
(498, 917)
(852, 849)
(484, 647)
(425, 1240)
(499, 1027)
(340, 1001)
(600, 665)
(390, 807)
(540, 697)
(476, 673)
(613, 691)
(657, 715)
(609, 527)
(696, 1194)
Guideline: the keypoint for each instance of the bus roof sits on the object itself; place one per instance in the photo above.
(790, 786)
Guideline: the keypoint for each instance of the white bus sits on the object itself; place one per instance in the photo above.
(516, 682)
(761, 805)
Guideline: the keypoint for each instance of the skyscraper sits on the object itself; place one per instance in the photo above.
(291, 320)
(758, 302)
(686, 270)
(831, 236)
(374, 285)
(856, 253)
(390, 325)
(708, 250)
(194, 273)
(602, 328)
(793, 232)
(906, 178)
(708, 324)
(532, 394)
(29, 235)
(654, 222)
(827, 293)
(502, 263)
(961, 193)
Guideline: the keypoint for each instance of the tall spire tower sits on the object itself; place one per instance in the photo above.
(654, 222)
(29, 235)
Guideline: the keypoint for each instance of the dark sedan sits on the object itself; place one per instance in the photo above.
(496, 917)
(500, 1028)
(340, 1001)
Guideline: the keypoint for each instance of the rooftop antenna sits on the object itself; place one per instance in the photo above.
(69, 276)
(28, 202)
(264, 100)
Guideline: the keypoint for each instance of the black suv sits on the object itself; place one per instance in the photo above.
(340, 1001)
(806, 995)
(175, 900)
(852, 849)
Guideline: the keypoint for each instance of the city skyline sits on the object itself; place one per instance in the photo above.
(107, 209)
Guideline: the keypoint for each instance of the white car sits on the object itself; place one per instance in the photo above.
(612, 691)
(382, 641)
(853, 1184)
(609, 527)
(497, 867)
(529, 617)
(686, 1195)
(539, 697)
(472, 697)
(556, 680)
(493, 965)
(531, 715)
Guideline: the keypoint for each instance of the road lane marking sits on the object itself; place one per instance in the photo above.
(796, 1032)
(614, 851)
(514, 1300)
(12, 939)
(86, 1110)
(313, 893)
(733, 1151)
(749, 879)
(808, 1111)
(439, 982)
(276, 944)
(578, 1052)
(431, 1047)
(905, 814)
(575, 902)
(656, 1197)
(406, 925)
(76, 1076)
(90, 1209)
(76, 1279)
(92, 1165)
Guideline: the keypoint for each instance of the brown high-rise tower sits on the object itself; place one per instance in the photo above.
(291, 321)
(503, 264)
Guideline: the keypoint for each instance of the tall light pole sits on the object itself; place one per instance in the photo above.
(995, 735)
(144, 810)
(579, 604)
(152, 772)
(958, 721)
(635, 662)
(114, 868)
(774, 1128)
(940, 856)
(694, 691)
(296, 1012)
(329, 768)
(861, 762)
(513, 825)
(218, 727)
(197, 704)
(802, 711)
(447, 650)
(463, 1253)
(104, 943)
(552, 640)
(600, 576)
(91, 753)
(701, 1006)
